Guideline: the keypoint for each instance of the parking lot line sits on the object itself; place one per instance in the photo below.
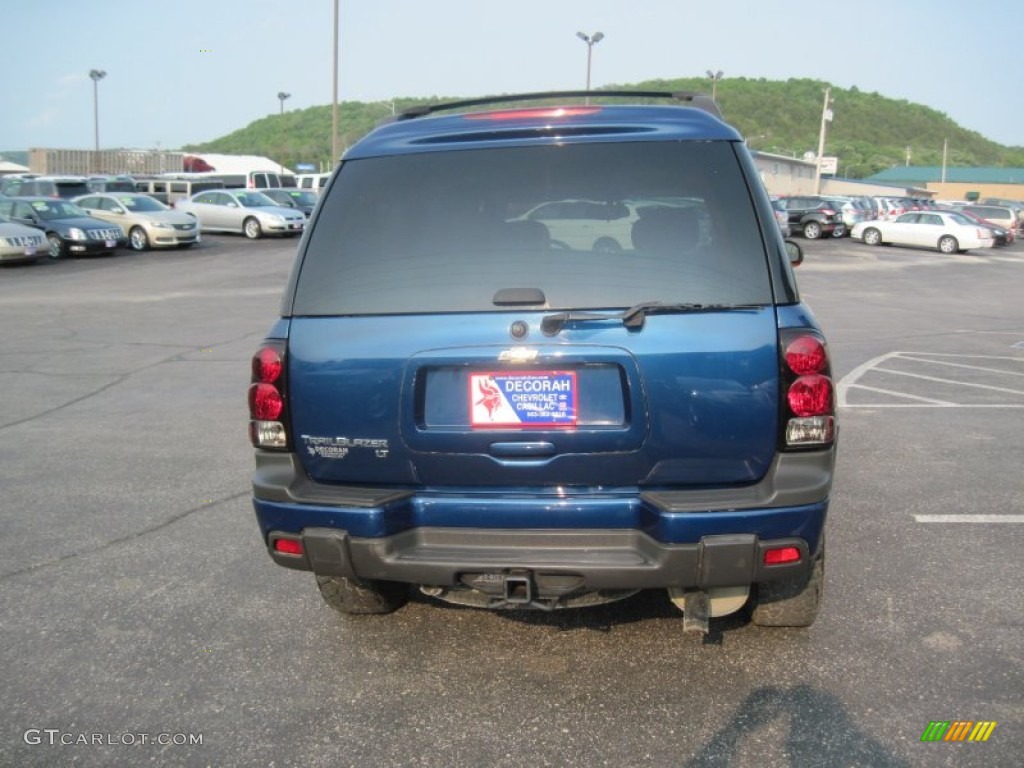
(852, 380)
(932, 361)
(969, 518)
(930, 401)
(951, 381)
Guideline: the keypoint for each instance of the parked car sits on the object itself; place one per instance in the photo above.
(269, 180)
(66, 187)
(170, 190)
(314, 182)
(814, 217)
(111, 183)
(890, 208)
(948, 232)
(19, 243)
(604, 226)
(290, 197)
(1017, 206)
(241, 210)
(781, 216)
(997, 214)
(848, 212)
(1000, 235)
(69, 229)
(452, 401)
(148, 222)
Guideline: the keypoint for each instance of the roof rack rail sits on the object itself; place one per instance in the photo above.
(686, 98)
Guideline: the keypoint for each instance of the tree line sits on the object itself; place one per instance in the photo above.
(869, 132)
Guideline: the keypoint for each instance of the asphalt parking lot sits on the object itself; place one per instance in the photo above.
(142, 621)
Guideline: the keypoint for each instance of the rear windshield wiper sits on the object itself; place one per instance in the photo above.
(635, 316)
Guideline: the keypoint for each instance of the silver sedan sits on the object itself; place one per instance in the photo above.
(240, 210)
(20, 243)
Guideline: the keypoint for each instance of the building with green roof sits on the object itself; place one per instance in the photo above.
(957, 183)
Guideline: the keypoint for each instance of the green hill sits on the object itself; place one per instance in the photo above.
(869, 133)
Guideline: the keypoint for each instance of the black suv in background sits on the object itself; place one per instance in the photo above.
(814, 216)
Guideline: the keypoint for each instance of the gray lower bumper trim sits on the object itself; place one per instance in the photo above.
(603, 559)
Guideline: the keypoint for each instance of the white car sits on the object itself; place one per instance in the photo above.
(240, 210)
(947, 231)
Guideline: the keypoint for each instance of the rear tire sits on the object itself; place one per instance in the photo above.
(607, 245)
(791, 602)
(358, 596)
(839, 231)
(948, 244)
(812, 230)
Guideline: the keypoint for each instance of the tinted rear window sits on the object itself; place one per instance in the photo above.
(72, 188)
(599, 225)
(989, 212)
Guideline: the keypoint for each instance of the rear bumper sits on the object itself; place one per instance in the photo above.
(583, 560)
(622, 539)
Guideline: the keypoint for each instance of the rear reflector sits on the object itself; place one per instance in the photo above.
(781, 555)
(293, 547)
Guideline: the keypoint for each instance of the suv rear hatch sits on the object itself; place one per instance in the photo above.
(440, 336)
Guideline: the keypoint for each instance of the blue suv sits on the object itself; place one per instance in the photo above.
(503, 409)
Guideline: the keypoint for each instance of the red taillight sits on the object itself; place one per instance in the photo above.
(294, 547)
(267, 428)
(265, 403)
(534, 114)
(810, 396)
(781, 555)
(805, 355)
(809, 399)
(267, 365)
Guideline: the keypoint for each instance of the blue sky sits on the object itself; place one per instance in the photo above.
(184, 71)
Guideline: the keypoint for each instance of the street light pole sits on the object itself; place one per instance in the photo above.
(334, 102)
(591, 41)
(96, 75)
(282, 96)
(715, 77)
(826, 118)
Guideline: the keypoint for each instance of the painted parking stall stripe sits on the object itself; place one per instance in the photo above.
(979, 519)
(876, 376)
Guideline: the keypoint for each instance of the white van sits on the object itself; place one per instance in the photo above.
(314, 182)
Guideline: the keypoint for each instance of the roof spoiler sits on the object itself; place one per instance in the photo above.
(681, 98)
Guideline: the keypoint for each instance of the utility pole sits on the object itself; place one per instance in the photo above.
(826, 118)
(334, 104)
